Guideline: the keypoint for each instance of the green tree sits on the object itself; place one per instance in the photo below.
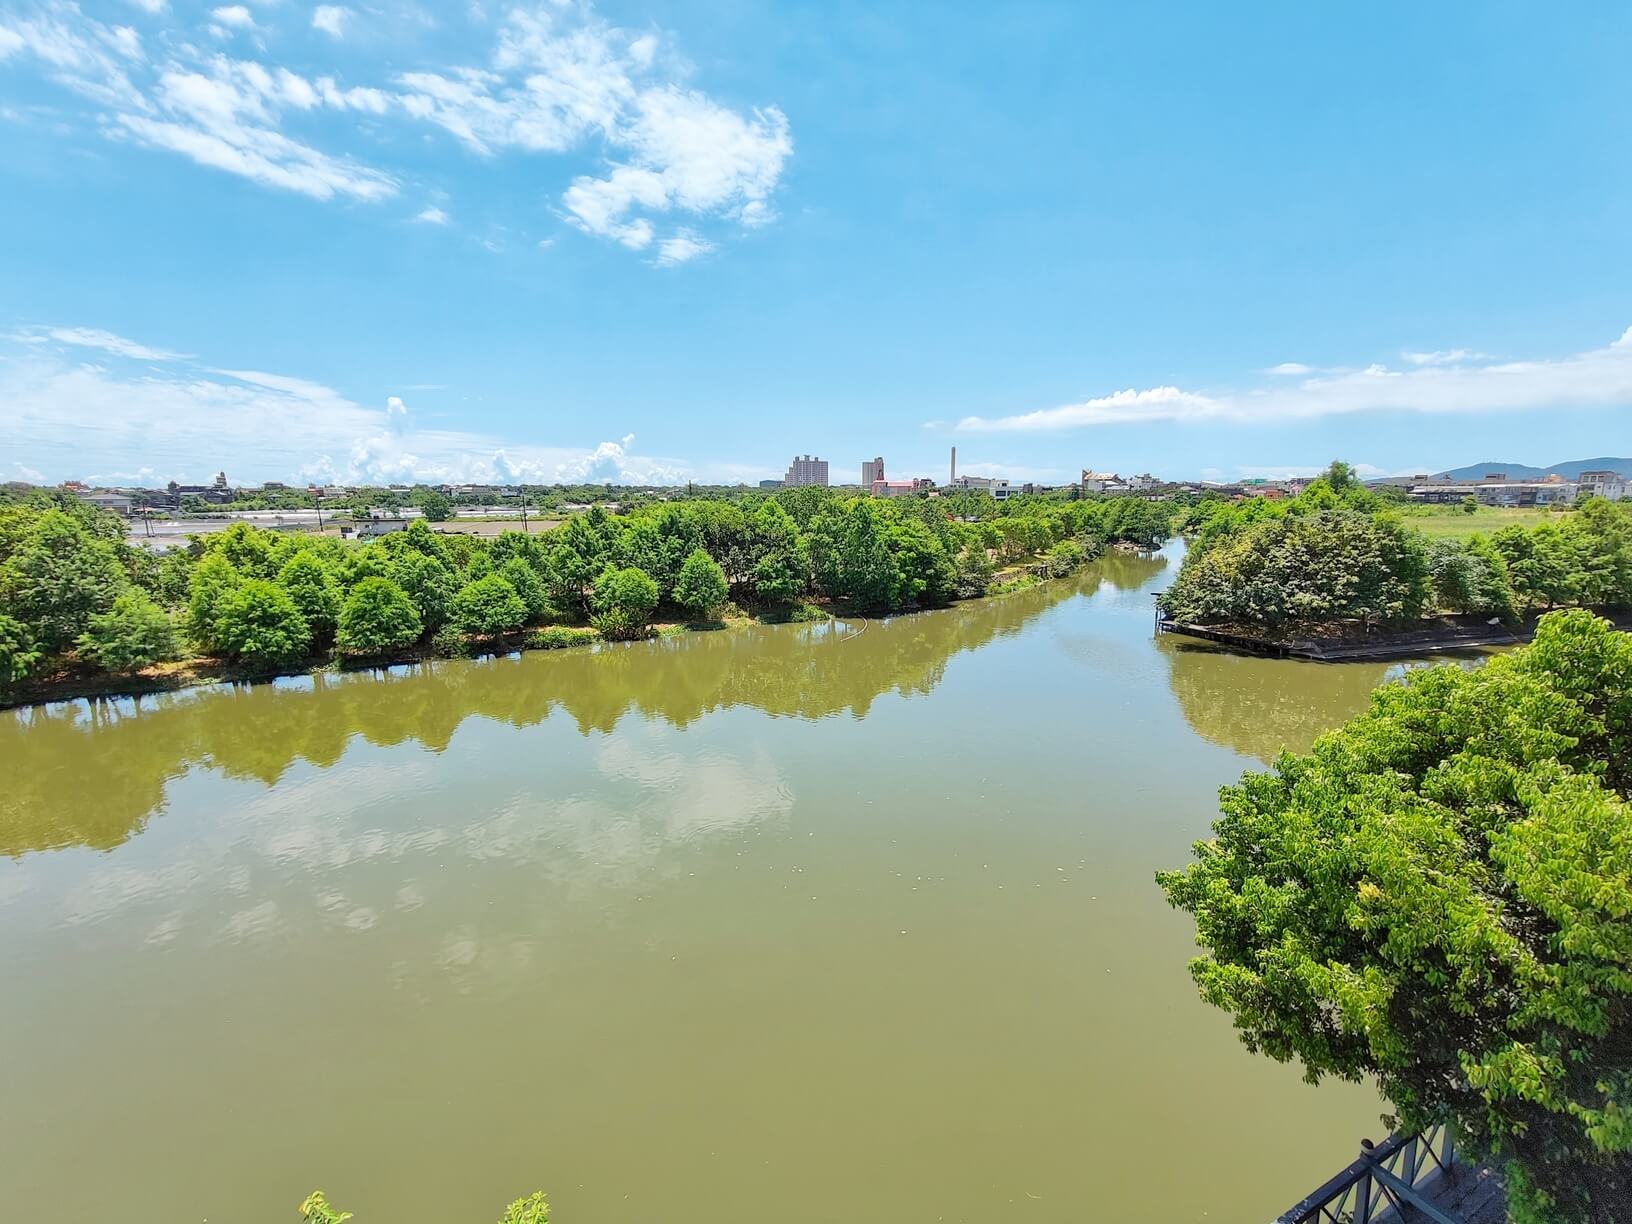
(314, 591)
(778, 561)
(1278, 568)
(428, 582)
(377, 617)
(520, 574)
(437, 507)
(974, 572)
(130, 635)
(257, 622)
(248, 548)
(576, 555)
(487, 607)
(58, 578)
(623, 602)
(701, 587)
(1470, 505)
(213, 578)
(1437, 896)
(18, 654)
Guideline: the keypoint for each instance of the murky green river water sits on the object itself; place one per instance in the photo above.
(774, 924)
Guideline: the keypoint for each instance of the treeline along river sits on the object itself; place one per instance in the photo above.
(799, 922)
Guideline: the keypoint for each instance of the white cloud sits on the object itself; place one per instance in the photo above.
(1444, 357)
(67, 419)
(557, 79)
(1289, 368)
(681, 248)
(1599, 377)
(92, 337)
(151, 7)
(432, 216)
(330, 19)
(687, 153)
(234, 15)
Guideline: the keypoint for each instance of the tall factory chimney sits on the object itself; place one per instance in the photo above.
(952, 477)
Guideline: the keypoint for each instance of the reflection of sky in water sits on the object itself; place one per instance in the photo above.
(604, 822)
(683, 920)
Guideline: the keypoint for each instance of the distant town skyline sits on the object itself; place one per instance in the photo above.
(630, 242)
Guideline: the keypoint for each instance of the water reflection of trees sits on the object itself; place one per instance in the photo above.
(93, 773)
(1258, 707)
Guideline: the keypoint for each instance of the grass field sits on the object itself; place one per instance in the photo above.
(1451, 522)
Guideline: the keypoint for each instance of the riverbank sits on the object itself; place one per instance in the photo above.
(1347, 643)
(75, 680)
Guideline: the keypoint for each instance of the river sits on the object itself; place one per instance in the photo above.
(793, 923)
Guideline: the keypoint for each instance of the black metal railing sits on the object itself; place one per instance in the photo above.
(1394, 1181)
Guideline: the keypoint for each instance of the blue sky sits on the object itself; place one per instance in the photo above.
(650, 241)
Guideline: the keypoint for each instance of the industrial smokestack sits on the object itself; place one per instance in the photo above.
(952, 476)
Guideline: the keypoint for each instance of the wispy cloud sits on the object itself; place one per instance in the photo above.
(1442, 357)
(558, 79)
(1455, 382)
(174, 418)
(432, 216)
(682, 248)
(91, 337)
(331, 19)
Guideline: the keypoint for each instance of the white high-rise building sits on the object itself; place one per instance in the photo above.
(871, 470)
(805, 470)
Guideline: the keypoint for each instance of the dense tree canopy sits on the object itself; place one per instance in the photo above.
(377, 617)
(131, 634)
(257, 622)
(700, 586)
(1339, 552)
(1438, 896)
(63, 562)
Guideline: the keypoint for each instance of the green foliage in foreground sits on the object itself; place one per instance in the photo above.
(1439, 896)
(533, 1209)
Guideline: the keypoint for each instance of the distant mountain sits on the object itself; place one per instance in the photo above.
(1523, 471)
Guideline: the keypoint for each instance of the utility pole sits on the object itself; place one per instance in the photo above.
(523, 509)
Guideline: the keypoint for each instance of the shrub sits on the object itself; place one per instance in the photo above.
(1064, 558)
(450, 643)
(257, 622)
(701, 586)
(486, 607)
(623, 600)
(378, 616)
(129, 635)
(974, 573)
(557, 637)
